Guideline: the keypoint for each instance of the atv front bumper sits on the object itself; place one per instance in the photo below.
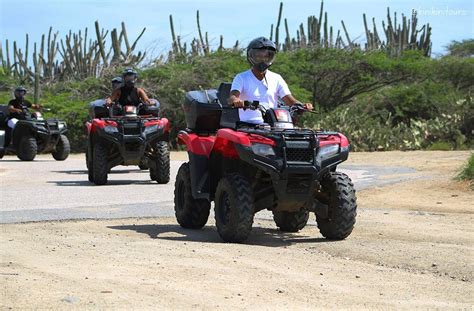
(130, 147)
(294, 182)
(280, 168)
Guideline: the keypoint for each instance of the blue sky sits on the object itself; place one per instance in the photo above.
(237, 20)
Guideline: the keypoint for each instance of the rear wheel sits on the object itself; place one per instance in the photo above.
(2, 153)
(100, 164)
(27, 148)
(161, 172)
(190, 213)
(291, 221)
(63, 148)
(234, 208)
(339, 194)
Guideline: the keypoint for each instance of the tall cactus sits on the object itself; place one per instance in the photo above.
(277, 27)
(80, 56)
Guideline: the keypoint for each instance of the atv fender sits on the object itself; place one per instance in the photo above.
(199, 149)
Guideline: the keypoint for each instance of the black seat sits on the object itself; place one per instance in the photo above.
(229, 117)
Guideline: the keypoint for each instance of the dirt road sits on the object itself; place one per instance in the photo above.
(412, 247)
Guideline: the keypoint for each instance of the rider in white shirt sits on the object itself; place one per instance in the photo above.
(260, 84)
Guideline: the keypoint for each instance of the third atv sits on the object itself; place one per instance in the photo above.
(247, 168)
(33, 135)
(119, 135)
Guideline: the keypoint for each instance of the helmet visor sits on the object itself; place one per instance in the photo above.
(129, 78)
(262, 56)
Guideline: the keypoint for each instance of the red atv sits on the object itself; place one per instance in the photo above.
(247, 168)
(119, 135)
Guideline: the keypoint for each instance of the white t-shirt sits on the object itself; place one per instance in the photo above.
(266, 91)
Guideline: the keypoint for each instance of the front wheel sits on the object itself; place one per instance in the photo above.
(339, 195)
(291, 221)
(190, 213)
(63, 148)
(100, 164)
(233, 208)
(161, 172)
(90, 172)
(27, 149)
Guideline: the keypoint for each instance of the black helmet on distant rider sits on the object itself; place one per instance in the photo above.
(129, 77)
(261, 53)
(20, 92)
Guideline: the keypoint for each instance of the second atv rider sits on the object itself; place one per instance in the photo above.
(128, 93)
(260, 84)
(18, 106)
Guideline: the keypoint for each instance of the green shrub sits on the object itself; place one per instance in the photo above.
(379, 102)
(440, 146)
(457, 71)
(371, 125)
(467, 171)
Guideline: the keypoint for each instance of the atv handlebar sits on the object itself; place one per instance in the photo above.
(298, 108)
(294, 109)
(252, 105)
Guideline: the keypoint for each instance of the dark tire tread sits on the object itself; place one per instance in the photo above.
(63, 148)
(342, 207)
(162, 171)
(191, 213)
(100, 164)
(90, 173)
(27, 149)
(239, 224)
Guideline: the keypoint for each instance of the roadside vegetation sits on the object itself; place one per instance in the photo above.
(386, 95)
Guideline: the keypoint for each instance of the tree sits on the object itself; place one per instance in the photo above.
(465, 48)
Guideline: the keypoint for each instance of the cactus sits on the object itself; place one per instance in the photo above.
(101, 43)
(81, 56)
(287, 45)
(221, 43)
(204, 46)
(349, 41)
(277, 28)
(325, 40)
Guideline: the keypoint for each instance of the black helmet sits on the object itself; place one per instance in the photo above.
(20, 92)
(129, 76)
(261, 53)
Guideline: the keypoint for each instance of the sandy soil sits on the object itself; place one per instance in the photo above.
(412, 248)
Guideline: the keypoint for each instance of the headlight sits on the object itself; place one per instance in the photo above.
(328, 151)
(110, 129)
(263, 150)
(284, 125)
(150, 129)
(61, 126)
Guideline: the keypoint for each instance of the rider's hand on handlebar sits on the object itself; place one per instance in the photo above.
(308, 106)
(108, 101)
(237, 102)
